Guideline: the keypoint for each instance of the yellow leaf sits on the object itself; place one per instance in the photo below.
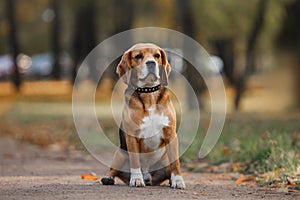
(89, 177)
(242, 178)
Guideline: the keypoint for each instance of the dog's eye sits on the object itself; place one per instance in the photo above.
(156, 55)
(139, 56)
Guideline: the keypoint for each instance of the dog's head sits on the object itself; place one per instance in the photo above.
(144, 65)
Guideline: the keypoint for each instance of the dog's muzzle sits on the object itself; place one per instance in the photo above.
(151, 65)
(152, 71)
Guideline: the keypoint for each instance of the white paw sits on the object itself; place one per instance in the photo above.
(137, 182)
(136, 178)
(177, 182)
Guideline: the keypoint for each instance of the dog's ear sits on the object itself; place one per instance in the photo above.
(165, 69)
(163, 76)
(123, 68)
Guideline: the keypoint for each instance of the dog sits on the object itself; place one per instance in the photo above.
(148, 153)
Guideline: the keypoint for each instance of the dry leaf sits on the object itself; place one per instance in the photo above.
(91, 177)
(242, 178)
(290, 181)
(226, 151)
(236, 167)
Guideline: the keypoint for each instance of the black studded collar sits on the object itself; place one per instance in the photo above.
(145, 89)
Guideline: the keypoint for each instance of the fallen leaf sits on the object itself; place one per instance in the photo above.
(236, 167)
(290, 181)
(89, 177)
(242, 178)
(272, 176)
(226, 151)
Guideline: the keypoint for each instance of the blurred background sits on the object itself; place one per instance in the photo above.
(255, 43)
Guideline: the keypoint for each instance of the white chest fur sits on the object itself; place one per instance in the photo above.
(152, 128)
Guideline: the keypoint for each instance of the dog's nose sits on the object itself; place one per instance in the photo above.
(151, 64)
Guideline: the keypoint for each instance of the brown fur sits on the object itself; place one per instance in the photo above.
(136, 108)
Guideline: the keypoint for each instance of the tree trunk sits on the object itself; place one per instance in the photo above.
(188, 27)
(225, 50)
(250, 52)
(122, 20)
(84, 37)
(13, 42)
(90, 37)
(55, 43)
(297, 75)
(289, 39)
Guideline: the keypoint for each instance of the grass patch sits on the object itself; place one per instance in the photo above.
(269, 149)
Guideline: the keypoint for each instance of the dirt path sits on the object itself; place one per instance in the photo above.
(28, 172)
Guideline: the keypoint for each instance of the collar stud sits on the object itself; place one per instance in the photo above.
(145, 89)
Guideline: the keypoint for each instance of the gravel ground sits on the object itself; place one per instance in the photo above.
(29, 172)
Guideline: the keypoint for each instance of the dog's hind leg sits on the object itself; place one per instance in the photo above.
(119, 163)
(160, 176)
(147, 177)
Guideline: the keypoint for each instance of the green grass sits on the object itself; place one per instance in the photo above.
(260, 145)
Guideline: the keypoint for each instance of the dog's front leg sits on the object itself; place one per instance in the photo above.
(172, 152)
(136, 176)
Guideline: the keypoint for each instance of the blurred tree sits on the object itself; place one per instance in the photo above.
(34, 18)
(187, 23)
(84, 36)
(13, 41)
(223, 20)
(289, 37)
(55, 41)
(122, 20)
(250, 51)
(225, 26)
(123, 15)
(225, 50)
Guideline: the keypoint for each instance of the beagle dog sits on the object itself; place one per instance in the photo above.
(148, 153)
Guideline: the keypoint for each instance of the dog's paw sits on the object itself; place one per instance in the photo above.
(108, 180)
(136, 178)
(147, 178)
(177, 182)
(137, 182)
